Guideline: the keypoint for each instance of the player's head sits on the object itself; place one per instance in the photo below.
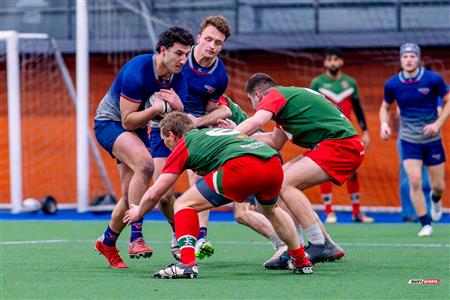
(173, 126)
(214, 30)
(333, 60)
(258, 86)
(174, 45)
(409, 57)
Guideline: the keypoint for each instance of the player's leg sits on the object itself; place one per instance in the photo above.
(106, 243)
(353, 191)
(326, 191)
(203, 247)
(434, 159)
(131, 149)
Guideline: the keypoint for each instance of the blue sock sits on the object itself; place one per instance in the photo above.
(425, 220)
(203, 233)
(136, 230)
(110, 237)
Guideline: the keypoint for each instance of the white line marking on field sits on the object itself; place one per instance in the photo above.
(255, 243)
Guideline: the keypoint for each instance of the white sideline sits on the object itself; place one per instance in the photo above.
(375, 245)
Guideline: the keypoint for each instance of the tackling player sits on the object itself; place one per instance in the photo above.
(121, 129)
(234, 167)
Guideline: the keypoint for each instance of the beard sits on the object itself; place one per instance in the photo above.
(333, 70)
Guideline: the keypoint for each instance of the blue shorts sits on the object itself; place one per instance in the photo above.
(430, 153)
(107, 132)
(157, 146)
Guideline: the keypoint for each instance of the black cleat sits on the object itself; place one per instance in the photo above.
(279, 261)
(337, 252)
(318, 253)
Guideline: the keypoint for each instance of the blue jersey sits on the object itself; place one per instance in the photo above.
(204, 84)
(136, 82)
(417, 99)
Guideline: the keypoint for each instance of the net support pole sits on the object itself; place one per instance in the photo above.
(82, 107)
(14, 126)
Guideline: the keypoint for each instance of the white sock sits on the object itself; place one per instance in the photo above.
(300, 234)
(315, 235)
(276, 241)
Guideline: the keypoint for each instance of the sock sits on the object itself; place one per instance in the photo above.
(136, 230)
(298, 255)
(435, 198)
(424, 220)
(300, 234)
(172, 226)
(276, 241)
(110, 237)
(315, 235)
(355, 203)
(327, 198)
(187, 229)
(203, 233)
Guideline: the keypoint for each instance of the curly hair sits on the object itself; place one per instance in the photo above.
(174, 35)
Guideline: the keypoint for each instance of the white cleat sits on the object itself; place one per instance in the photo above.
(426, 230)
(331, 218)
(436, 210)
(178, 270)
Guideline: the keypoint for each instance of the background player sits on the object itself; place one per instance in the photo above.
(121, 129)
(235, 167)
(416, 91)
(342, 91)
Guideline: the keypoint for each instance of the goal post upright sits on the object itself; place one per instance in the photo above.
(14, 127)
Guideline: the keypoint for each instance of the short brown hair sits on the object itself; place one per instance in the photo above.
(259, 81)
(220, 22)
(176, 122)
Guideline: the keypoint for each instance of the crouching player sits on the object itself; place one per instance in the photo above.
(234, 167)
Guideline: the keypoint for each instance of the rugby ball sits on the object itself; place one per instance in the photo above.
(151, 100)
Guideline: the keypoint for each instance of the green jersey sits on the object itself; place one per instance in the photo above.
(306, 116)
(237, 114)
(205, 150)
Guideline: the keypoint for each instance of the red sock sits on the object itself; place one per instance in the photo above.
(187, 230)
(328, 208)
(356, 209)
(298, 255)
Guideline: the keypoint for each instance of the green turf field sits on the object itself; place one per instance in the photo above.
(58, 262)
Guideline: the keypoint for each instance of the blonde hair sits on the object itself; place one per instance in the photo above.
(176, 122)
(220, 22)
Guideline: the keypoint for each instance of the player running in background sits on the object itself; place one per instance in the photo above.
(234, 167)
(416, 91)
(310, 121)
(342, 91)
(121, 129)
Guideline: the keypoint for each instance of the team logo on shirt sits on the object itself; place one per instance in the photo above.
(424, 90)
(345, 84)
(209, 88)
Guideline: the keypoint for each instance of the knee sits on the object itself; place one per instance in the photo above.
(146, 168)
(241, 217)
(415, 183)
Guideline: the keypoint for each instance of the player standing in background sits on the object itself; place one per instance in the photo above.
(342, 91)
(234, 167)
(121, 129)
(311, 122)
(416, 91)
(207, 80)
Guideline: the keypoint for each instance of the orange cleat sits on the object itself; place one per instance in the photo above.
(111, 254)
(138, 248)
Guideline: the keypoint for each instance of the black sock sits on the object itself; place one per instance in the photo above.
(424, 220)
(435, 198)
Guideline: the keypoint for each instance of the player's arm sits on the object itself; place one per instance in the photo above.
(357, 108)
(151, 197)
(214, 112)
(433, 128)
(385, 131)
(131, 118)
(256, 122)
(275, 139)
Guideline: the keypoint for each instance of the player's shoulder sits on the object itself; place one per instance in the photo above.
(319, 78)
(432, 75)
(392, 81)
(349, 79)
(139, 64)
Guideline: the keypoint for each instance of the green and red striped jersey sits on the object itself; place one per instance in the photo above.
(205, 150)
(306, 116)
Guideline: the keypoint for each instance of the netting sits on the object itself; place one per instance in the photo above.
(48, 136)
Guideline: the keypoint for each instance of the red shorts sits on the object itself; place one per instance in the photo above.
(244, 176)
(338, 158)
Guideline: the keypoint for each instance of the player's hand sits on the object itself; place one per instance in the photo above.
(431, 129)
(385, 132)
(194, 119)
(132, 215)
(365, 137)
(157, 103)
(227, 124)
(172, 98)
